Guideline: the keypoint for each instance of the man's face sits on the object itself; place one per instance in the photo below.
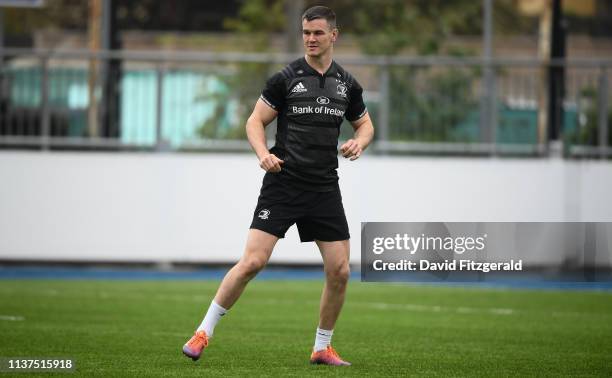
(318, 36)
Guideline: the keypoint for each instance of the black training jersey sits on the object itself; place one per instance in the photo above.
(310, 109)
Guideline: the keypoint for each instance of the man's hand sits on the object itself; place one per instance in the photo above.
(270, 163)
(351, 149)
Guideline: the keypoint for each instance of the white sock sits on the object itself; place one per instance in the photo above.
(214, 313)
(322, 339)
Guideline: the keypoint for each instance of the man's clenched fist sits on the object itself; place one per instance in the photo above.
(270, 163)
(351, 149)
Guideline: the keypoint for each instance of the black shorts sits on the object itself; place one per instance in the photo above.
(318, 215)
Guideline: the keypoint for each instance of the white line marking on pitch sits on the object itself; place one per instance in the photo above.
(411, 307)
(502, 311)
(425, 308)
(176, 334)
(12, 318)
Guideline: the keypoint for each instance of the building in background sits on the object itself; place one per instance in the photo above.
(178, 104)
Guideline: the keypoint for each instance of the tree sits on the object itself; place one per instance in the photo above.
(427, 104)
(257, 19)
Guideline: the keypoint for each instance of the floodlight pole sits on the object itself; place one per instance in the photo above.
(556, 73)
(293, 9)
(1, 34)
(488, 98)
(95, 11)
(111, 72)
(1, 56)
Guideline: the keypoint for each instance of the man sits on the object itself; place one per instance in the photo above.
(310, 97)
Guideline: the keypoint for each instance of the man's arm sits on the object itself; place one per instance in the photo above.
(255, 128)
(364, 132)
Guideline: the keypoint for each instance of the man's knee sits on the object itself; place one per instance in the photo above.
(339, 273)
(251, 264)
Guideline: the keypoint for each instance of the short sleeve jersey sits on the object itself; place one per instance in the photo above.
(311, 108)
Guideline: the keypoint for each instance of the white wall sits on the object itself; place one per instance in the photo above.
(197, 208)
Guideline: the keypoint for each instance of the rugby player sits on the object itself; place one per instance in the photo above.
(309, 97)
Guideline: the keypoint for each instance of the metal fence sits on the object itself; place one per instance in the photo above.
(200, 101)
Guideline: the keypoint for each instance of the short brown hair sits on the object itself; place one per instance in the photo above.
(320, 11)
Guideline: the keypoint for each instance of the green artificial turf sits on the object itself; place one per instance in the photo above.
(120, 328)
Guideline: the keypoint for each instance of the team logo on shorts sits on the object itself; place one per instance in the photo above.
(341, 90)
(263, 214)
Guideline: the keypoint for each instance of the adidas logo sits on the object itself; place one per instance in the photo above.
(299, 88)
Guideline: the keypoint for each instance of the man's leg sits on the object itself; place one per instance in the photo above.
(336, 261)
(257, 252)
